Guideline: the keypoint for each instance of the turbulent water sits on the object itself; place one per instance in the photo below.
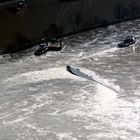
(41, 100)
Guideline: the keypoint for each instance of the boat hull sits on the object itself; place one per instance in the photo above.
(40, 53)
(122, 45)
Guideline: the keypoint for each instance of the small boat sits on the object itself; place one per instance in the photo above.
(73, 70)
(76, 71)
(56, 46)
(43, 48)
(129, 40)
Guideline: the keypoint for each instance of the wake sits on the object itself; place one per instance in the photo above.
(76, 71)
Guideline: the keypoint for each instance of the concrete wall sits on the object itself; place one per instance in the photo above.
(68, 16)
(84, 14)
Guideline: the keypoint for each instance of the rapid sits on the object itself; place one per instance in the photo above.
(40, 99)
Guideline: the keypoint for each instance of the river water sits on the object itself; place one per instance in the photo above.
(40, 99)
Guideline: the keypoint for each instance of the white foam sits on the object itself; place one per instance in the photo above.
(102, 100)
(100, 79)
(41, 75)
(17, 120)
(106, 51)
(77, 57)
(67, 136)
(100, 53)
(88, 43)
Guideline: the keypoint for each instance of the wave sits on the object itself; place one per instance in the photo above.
(99, 54)
(92, 76)
(40, 75)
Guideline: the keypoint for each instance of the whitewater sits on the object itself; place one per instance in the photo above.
(41, 100)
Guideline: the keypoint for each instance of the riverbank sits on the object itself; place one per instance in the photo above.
(45, 18)
(10, 48)
(41, 100)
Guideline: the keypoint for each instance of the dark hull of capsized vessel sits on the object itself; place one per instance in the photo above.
(77, 72)
(72, 69)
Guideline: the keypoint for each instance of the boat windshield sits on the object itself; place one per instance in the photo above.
(43, 46)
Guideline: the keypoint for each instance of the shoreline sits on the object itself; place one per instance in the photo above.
(39, 40)
(54, 18)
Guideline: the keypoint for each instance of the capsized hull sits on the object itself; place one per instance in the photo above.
(79, 73)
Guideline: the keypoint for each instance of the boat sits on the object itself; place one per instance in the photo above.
(55, 46)
(73, 70)
(76, 71)
(43, 48)
(53, 40)
(129, 40)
